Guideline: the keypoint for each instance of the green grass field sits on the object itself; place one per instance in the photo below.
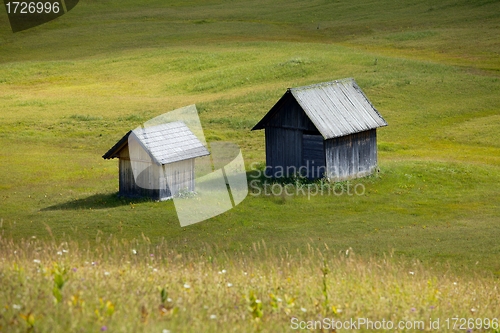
(69, 89)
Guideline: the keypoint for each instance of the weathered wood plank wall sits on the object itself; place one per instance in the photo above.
(351, 156)
(156, 178)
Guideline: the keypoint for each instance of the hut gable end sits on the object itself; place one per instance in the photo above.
(287, 113)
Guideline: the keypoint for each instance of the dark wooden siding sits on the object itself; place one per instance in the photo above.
(351, 156)
(283, 151)
(313, 155)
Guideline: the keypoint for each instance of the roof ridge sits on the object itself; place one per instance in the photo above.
(322, 84)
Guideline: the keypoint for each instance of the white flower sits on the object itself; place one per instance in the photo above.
(187, 286)
(279, 299)
(257, 301)
(473, 310)
(303, 309)
(223, 271)
(213, 317)
(107, 273)
(17, 307)
(229, 284)
(134, 251)
(65, 251)
(59, 253)
(412, 273)
(454, 283)
(165, 331)
(169, 300)
(36, 261)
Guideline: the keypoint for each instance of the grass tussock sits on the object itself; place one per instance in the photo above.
(135, 286)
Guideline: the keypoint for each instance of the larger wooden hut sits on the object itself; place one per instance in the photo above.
(322, 130)
(157, 162)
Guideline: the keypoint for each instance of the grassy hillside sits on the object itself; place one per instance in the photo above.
(71, 88)
(425, 231)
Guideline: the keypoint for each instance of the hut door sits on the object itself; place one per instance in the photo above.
(164, 189)
(313, 156)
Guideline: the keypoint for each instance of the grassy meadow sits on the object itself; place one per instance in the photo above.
(71, 88)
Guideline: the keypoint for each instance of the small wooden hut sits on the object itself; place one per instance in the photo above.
(322, 130)
(157, 162)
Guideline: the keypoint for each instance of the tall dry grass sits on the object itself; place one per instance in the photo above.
(123, 286)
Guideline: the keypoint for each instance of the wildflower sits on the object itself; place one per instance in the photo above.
(473, 310)
(36, 261)
(74, 269)
(165, 331)
(412, 273)
(107, 273)
(213, 317)
(169, 300)
(229, 284)
(303, 309)
(134, 251)
(59, 253)
(187, 286)
(454, 283)
(17, 307)
(104, 328)
(151, 255)
(65, 251)
(413, 309)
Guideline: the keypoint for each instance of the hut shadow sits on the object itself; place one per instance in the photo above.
(96, 201)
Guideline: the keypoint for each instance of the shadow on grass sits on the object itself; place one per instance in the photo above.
(96, 201)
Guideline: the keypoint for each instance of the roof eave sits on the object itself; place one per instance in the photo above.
(113, 151)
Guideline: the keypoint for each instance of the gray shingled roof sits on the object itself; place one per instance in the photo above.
(336, 108)
(171, 142)
(165, 143)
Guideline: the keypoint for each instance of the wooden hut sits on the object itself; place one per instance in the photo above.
(322, 130)
(157, 162)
